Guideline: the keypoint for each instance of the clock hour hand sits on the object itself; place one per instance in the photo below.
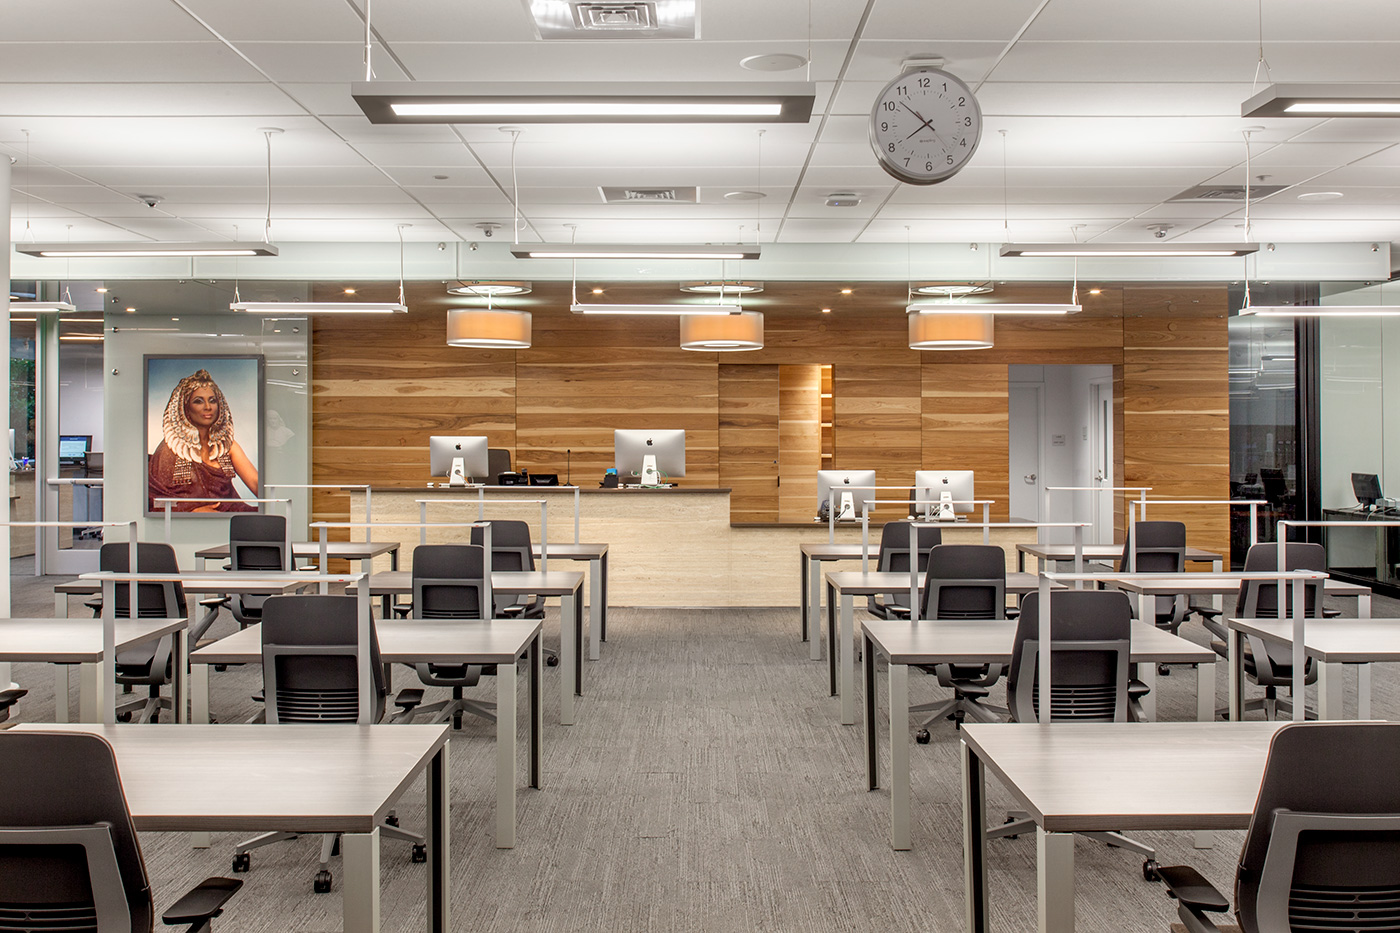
(920, 118)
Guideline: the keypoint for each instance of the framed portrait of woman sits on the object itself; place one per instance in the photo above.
(203, 427)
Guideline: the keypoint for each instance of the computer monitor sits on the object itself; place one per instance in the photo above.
(73, 448)
(951, 490)
(649, 457)
(833, 492)
(457, 458)
(1367, 487)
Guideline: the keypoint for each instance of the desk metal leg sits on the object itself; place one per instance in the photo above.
(438, 831)
(899, 755)
(505, 755)
(1363, 606)
(848, 660)
(1363, 691)
(603, 602)
(535, 685)
(199, 693)
(872, 740)
(180, 675)
(1054, 881)
(90, 692)
(578, 639)
(60, 691)
(1205, 712)
(60, 605)
(359, 889)
(394, 559)
(568, 661)
(1217, 602)
(1329, 692)
(1147, 673)
(1147, 608)
(1235, 657)
(595, 608)
(814, 609)
(974, 799)
(804, 569)
(831, 601)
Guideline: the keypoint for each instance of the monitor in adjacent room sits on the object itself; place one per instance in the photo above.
(1367, 487)
(649, 458)
(834, 490)
(458, 458)
(73, 448)
(942, 494)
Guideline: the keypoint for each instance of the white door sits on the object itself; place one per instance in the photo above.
(1101, 418)
(1025, 418)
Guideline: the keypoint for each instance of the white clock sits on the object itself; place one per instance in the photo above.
(925, 126)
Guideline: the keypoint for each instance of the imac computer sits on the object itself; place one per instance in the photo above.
(1367, 487)
(951, 490)
(834, 492)
(457, 458)
(652, 457)
(73, 448)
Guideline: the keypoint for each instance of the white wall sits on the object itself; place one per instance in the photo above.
(80, 394)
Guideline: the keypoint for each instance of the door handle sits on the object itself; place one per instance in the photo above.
(1029, 479)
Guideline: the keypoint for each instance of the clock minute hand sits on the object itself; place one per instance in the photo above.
(920, 118)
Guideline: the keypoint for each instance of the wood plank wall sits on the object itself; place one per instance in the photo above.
(799, 440)
(382, 385)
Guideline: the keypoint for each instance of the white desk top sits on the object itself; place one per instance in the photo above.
(219, 581)
(875, 582)
(1100, 552)
(991, 642)
(826, 551)
(1209, 584)
(1333, 641)
(571, 551)
(1128, 776)
(75, 641)
(342, 550)
(309, 778)
(514, 583)
(500, 641)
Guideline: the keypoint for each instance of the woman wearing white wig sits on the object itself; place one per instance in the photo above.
(198, 456)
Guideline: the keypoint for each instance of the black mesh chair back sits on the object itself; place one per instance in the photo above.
(448, 581)
(69, 859)
(310, 666)
(965, 581)
(1090, 632)
(1161, 548)
(153, 600)
(1258, 599)
(894, 558)
(1323, 847)
(511, 552)
(258, 542)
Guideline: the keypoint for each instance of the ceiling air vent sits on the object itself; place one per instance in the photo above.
(1225, 193)
(614, 19)
(624, 195)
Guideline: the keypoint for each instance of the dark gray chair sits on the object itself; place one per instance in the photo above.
(69, 859)
(512, 552)
(894, 558)
(1090, 664)
(1160, 548)
(497, 462)
(963, 581)
(1323, 848)
(256, 543)
(150, 664)
(311, 675)
(8, 698)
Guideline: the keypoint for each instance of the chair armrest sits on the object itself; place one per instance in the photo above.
(213, 601)
(1188, 886)
(8, 698)
(204, 901)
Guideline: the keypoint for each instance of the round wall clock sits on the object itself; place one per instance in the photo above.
(925, 126)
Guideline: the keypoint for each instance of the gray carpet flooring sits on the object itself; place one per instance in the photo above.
(706, 786)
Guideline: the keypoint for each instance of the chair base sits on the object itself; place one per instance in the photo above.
(453, 709)
(330, 846)
(959, 708)
(149, 707)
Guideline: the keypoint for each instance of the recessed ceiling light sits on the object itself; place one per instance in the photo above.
(1096, 291)
(349, 291)
(130, 310)
(439, 178)
(777, 61)
(845, 291)
(597, 291)
(101, 291)
(744, 195)
(1319, 196)
(826, 310)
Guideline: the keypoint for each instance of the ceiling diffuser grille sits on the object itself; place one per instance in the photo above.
(1226, 193)
(614, 19)
(626, 195)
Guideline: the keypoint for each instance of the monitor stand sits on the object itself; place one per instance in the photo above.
(945, 508)
(649, 475)
(457, 476)
(848, 508)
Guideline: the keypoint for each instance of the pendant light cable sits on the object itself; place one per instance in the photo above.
(29, 194)
(1248, 179)
(515, 186)
(401, 228)
(1263, 62)
(758, 201)
(1005, 209)
(369, 70)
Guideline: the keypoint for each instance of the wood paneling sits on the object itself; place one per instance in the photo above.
(748, 440)
(965, 424)
(799, 440)
(877, 423)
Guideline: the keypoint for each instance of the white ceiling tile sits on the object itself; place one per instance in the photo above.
(135, 60)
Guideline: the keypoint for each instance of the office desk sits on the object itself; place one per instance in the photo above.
(841, 588)
(363, 551)
(992, 642)
(1059, 553)
(407, 641)
(597, 557)
(1205, 584)
(1333, 642)
(566, 584)
(297, 778)
(811, 597)
(200, 582)
(1103, 776)
(66, 642)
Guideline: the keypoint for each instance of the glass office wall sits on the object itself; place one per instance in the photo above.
(1263, 427)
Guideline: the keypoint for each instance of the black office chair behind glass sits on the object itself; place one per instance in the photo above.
(1323, 847)
(311, 675)
(69, 857)
(256, 543)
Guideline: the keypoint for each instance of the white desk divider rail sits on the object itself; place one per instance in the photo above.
(169, 502)
(1132, 538)
(481, 517)
(109, 635)
(481, 507)
(831, 512)
(1282, 577)
(985, 524)
(916, 598)
(1299, 606)
(369, 515)
(1141, 490)
(485, 538)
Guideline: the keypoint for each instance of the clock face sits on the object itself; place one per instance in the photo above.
(925, 126)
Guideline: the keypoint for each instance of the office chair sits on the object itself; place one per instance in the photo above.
(149, 664)
(448, 584)
(1161, 548)
(963, 581)
(1271, 665)
(311, 675)
(9, 698)
(256, 543)
(1090, 658)
(497, 462)
(1323, 847)
(69, 859)
(512, 552)
(894, 558)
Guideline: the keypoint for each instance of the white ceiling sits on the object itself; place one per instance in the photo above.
(1110, 108)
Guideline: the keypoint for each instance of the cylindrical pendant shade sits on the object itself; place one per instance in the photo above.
(488, 329)
(950, 331)
(742, 331)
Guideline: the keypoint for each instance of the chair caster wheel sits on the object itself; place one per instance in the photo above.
(1163, 670)
(322, 884)
(220, 667)
(922, 737)
(1149, 870)
(391, 820)
(1013, 835)
(123, 717)
(420, 853)
(551, 660)
(242, 861)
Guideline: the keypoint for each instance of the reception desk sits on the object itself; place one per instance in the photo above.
(666, 547)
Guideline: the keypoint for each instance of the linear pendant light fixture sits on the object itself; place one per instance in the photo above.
(63, 306)
(1324, 100)
(149, 249)
(635, 251)
(1172, 250)
(1321, 310)
(329, 307)
(584, 102)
